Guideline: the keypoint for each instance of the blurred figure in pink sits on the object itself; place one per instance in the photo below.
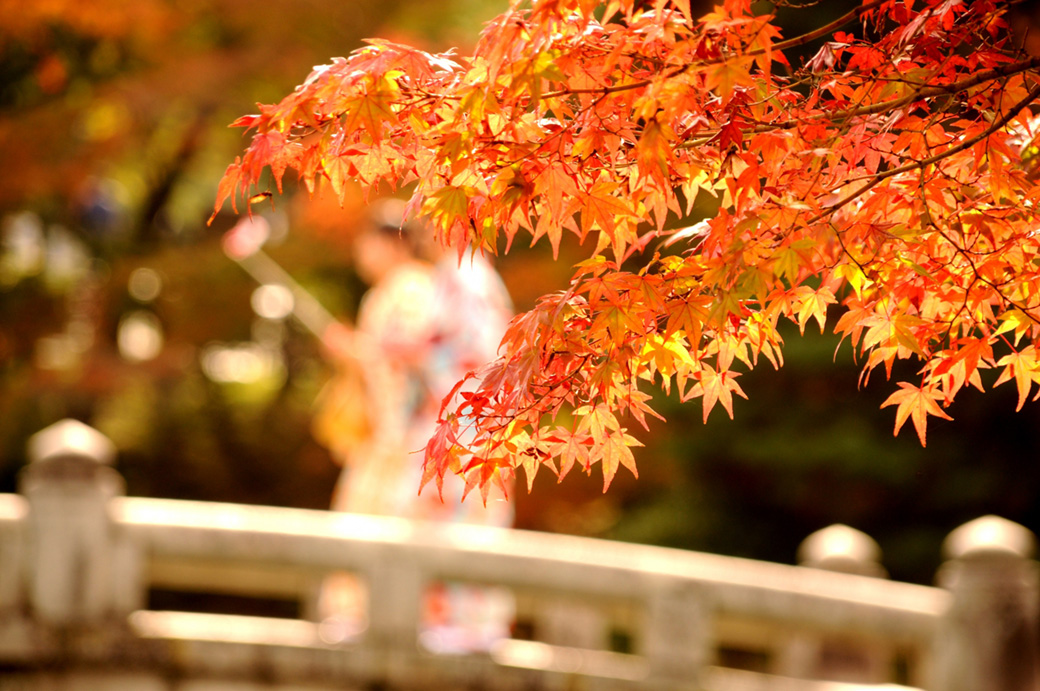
(426, 320)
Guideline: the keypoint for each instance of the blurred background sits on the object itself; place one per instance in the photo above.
(118, 307)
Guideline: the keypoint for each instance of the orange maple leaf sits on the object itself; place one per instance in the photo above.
(1025, 369)
(614, 452)
(916, 403)
(716, 387)
(604, 209)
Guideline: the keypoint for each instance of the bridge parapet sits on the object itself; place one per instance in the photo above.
(78, 560)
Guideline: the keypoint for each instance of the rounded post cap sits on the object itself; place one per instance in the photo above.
(71, 438)
(841, 548)
(989, 535)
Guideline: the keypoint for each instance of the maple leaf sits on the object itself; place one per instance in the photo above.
(654, 151)
(1022, 366)
(448, 206)
(527, 454)
(557, 188)
(373, 107)
(716, 387)
(571, 448)
(339, 170)
(228, 187)
(813, 305)
(441, 455)
(726, 77)
(613, 452)
(916, 403)
(602, 208)
(483, 473)
(669, 355)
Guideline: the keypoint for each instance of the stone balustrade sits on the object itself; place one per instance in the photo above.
(78, 561)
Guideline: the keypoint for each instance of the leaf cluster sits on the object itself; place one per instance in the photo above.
(893, 175)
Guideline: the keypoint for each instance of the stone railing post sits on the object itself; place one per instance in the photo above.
(989, 640)
(13, 510)
(395, 592)
(574, 623)
(677, 642)
(78, 570)
(846, 658)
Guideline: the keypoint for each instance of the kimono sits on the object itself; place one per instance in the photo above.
(419, 331)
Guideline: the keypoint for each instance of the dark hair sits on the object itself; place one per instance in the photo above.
(386, 217)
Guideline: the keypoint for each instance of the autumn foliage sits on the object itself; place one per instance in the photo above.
(887, 183)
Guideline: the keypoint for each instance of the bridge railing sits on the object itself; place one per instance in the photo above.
(78, 560)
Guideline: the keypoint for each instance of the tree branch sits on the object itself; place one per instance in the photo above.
(1031, 96)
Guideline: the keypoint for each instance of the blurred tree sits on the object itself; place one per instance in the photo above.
(117, 306)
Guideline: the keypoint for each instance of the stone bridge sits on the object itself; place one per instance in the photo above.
(80, 564)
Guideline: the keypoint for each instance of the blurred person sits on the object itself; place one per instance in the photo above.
(425, 321)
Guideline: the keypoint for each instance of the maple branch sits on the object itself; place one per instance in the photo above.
(823, 30)
(1030, 96)
(927, 92)
(606, 90)
(886, 106)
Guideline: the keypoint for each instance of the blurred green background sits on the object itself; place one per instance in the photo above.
(117, 306)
